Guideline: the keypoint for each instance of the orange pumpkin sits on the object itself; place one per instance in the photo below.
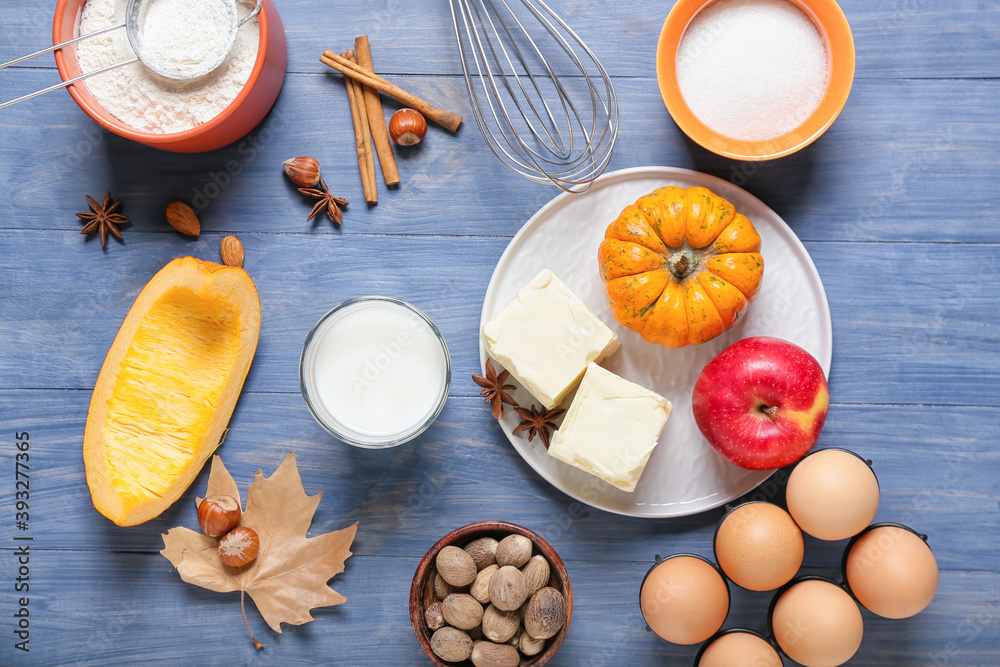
(680, 265)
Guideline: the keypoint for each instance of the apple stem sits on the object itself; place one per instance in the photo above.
(769, 410)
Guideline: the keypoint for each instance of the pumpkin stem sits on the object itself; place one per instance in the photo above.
(682, 263)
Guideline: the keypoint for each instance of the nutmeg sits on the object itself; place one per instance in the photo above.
(546, 613)
(451, 644)
(530, 646)
(442, 588)
(462, 611)
(488, 654)
(434, 617)
(304, 171)
(499, 626)
(217, 515)
(456, 566)
(483, 551)
(513, 550)
(536, 574)
(239, 546)
(481, 586)
(508, 590)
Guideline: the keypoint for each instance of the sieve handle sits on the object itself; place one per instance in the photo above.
(59, 46)
(256, 10)
(70, 82)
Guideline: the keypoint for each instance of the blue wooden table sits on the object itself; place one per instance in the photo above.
(897, 204)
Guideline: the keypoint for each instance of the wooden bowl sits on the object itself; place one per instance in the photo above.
(422, 589)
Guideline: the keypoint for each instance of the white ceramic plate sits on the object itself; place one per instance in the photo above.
(684, 475)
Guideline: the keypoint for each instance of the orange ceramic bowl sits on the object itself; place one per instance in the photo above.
(832, 25)
(236, 120)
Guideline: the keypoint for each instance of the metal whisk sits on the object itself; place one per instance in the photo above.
(566, 118)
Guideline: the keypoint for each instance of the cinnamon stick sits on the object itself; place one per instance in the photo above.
(446, 119)
(362, 136)
(376, 116)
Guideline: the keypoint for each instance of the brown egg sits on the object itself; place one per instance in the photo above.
(832, 494)
(817, 624)
(684, 600)
(759, 547)
(739, 649)
(892, 572)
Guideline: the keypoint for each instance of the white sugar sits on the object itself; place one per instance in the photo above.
(752, 69)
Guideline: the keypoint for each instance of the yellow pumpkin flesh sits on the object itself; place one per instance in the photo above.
(680, 265)
(168, 387)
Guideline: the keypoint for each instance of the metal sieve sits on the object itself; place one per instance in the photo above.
(135, 17)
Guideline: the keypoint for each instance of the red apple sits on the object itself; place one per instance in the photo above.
(761, 402)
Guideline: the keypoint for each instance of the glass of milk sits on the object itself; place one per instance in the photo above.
(375, 372)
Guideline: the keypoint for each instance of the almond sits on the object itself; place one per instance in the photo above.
(182, 218)
(232, 251)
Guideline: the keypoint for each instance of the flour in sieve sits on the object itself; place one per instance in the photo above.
(146, 101)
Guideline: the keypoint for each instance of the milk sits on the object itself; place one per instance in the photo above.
(377, 368)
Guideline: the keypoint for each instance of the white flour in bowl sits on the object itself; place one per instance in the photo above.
(146, 101)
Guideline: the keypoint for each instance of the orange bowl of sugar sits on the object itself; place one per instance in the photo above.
(755, 79)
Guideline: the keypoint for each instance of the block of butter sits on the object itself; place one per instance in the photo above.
(611, 428)
(546, 337)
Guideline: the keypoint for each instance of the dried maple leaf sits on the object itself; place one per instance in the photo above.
(289, 576)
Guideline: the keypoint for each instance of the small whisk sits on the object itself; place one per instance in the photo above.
(543, 101)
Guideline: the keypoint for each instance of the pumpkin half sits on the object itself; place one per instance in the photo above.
(168, 387)
(680, 265)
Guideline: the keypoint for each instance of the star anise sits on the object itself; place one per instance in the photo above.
(103, 218)
(537, 422)
(326, 202)
(494, 389)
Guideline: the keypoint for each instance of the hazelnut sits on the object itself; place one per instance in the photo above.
(481, 586)
(483, 551)
(304, 171)
(451, 645)
(407, 127)
(530, 646)
(514, 550)
(536, 574)
(499, 626)
(217, 515)
(508, 590)
(456, 566)
(546, 614)
(488, 654)
(239, 546)
(434, 617)
(462, 611)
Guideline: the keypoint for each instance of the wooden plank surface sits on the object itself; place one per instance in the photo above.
(897, 204)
